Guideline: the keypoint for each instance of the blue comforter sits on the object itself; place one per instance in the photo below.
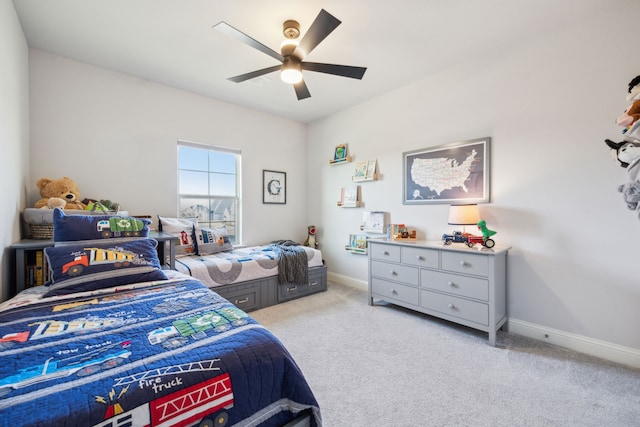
(169, 354)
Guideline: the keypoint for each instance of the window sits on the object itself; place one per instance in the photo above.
(209, 186)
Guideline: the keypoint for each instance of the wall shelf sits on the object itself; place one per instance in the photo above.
(356, 204)
(341, 161)
(357, 244)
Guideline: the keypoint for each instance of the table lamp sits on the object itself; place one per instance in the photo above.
(463, 215)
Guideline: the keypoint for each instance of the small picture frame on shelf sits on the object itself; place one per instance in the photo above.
(340, 153)
(274, 187)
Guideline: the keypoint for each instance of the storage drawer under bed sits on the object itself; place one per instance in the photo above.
(317, 283)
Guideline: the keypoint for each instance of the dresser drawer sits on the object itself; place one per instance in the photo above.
(397, 272)
(384, 252)
(394, 291)
(466, 263)
(461, 308)
(472, 287)
(419, 257)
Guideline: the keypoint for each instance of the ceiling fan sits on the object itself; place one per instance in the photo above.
(293, 53)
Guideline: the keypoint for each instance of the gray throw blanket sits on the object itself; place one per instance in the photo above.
(293, 265)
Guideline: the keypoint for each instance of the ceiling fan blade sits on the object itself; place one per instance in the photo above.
(321, 27)
(338, 70)
(302, 92)
(227, 29)
(257, 73)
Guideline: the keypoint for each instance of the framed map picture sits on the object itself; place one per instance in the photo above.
(450, 173)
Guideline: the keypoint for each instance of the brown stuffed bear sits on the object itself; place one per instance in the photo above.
(64, 188)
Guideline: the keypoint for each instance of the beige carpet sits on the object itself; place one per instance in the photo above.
(387, 366)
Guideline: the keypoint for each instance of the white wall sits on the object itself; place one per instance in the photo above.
(116, 136)
(548, 106)
(14, 132)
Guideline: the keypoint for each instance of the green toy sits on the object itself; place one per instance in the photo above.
(486, 233)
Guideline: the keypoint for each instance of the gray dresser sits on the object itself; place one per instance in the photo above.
(457, 283)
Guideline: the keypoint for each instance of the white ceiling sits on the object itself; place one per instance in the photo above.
(172, 42)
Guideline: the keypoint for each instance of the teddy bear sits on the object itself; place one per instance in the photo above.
(64, 188)
(629, 119)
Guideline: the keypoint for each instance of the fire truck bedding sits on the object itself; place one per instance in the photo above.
(157, 353)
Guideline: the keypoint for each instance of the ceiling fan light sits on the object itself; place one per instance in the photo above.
(291, 75)
(291, 71)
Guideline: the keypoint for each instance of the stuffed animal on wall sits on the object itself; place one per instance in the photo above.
(311, 237)
(629, 119)
(64, 188)
(628, 154)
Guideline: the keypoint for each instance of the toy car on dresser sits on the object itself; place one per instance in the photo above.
(469, 239)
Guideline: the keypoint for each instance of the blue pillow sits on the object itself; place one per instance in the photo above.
(90, 227)
(80, 268)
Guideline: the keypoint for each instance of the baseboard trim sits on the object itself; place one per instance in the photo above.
(346, 280)
(605, 350)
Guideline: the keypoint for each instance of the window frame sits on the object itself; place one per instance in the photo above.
(235, 224)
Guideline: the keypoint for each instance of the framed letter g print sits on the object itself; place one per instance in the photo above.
(274, 187)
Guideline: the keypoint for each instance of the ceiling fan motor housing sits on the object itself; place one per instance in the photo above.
(291, 29)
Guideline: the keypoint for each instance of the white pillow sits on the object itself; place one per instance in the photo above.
(183, 228)
(212, 240)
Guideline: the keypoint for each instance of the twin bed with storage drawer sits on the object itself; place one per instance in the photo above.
(456, 283)
(250, 277)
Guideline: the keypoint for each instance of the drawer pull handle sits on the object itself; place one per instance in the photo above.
(393, 273)
(242, 301)
(451, 284)
(419, 257)
(393, 291)
(385, 253)
(463, 263)
(292, 288)
(451, 306)
(313, 283)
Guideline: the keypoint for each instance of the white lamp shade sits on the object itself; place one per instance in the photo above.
(463, 215)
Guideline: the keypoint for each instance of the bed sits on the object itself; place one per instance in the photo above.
(251, 277)
(135, 345)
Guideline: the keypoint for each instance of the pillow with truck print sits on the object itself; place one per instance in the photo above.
(68, 228)
(105, 264)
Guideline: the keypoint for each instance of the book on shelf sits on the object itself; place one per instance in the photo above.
(36, 269)
(357, 243)
(349, 197)
(365, 171)
(374, 222)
